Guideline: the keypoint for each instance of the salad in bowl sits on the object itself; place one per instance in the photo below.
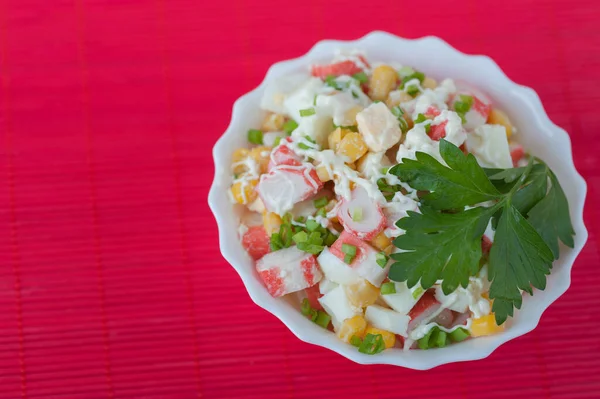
(395, 209)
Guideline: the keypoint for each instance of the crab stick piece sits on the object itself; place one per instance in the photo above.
(287, 185)
(361, 215)
(288, 270)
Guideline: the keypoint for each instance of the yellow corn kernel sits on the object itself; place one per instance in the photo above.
(381, 241)
(383, 80)
(350, 327)
(429, 83)
(238, 156)
(323, 173)
(353, 146)
(272, 222)
(243, 191)
(389, 338)
(498, 117)
(396, 98)
(362, 293)
(262, 156)
(334, 138)
(485, 325)
(273, 123)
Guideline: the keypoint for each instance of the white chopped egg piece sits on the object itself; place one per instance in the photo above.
(371, 163)
(364, 262)
(326, 285)
(335, 269)
(317, 127)
(288, 270)
(277, 91)
(341, 107)
(387, 319)
(302, 98)
(287, 185)
(269, 138)
(490, 146)
(405, 298)
(417, 140)
(378, 127)
(337, 305)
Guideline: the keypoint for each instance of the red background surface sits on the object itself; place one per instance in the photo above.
(111, 282)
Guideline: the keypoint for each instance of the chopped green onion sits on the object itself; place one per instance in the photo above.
(357, 214)
(361, 77)
(439, 338)
(397, 111)
(300, 237)
(315, 238)
(304, 146)
(321, 202)
(424, 342)
(388, 288)
(275, 242)
(372, 344)
(467, 99)
(307, 112)
(403, 125)
(300, 219)
(355, 341)
(287, 218)
(420, 118)
(255, 136)
(315, 100)
(348, 259)
(285, 234)
(382, 259)
(405, 71)
(352, 128)
(427, 127)
(377, 101)
(322, 212)
(289, 126)
(312, 225)
(349, 249)
(459, 335)
(235, 176)
(322, 319)
(310, 248)
(412, 90)
(385, 170)
(332, 82)
(330, 239)
(308, 311)
(462, 117)
(417, 292)
(277, 141)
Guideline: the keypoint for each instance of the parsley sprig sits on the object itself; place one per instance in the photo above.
(529, 211)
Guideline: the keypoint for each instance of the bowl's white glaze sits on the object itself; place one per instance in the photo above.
(438, 59)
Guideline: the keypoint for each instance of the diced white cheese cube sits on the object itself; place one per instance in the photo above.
(317, 127)
(338, 106)
(457, 301)
(405, 298)
(370, 164)
(379, 127)
(335, 269)
(277, 90)
(337, 305)
(288, 270)
(388, 320)
(490, 146)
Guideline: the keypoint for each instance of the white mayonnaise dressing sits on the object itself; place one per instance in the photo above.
(252, 173)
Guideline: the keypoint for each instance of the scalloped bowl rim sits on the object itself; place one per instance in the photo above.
(523, 100)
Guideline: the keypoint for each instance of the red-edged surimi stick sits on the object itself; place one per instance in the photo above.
(364, 263)
(361, 215)
(287, 185)
(347, 67)
(288, 270)
(423, 310)
(284, 155)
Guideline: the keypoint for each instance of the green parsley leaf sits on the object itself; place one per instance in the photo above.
(462, 183)
(550, 217)
(530, 212)
(440, 246)
(519, 258)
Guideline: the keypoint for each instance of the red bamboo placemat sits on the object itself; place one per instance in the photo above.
(111, 282)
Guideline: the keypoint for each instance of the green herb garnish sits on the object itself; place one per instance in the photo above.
(443, 242)
(307, 112)
(372, 344)
(289, 126)
(255, 136)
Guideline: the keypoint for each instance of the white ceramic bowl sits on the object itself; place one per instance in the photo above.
(438, 59)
